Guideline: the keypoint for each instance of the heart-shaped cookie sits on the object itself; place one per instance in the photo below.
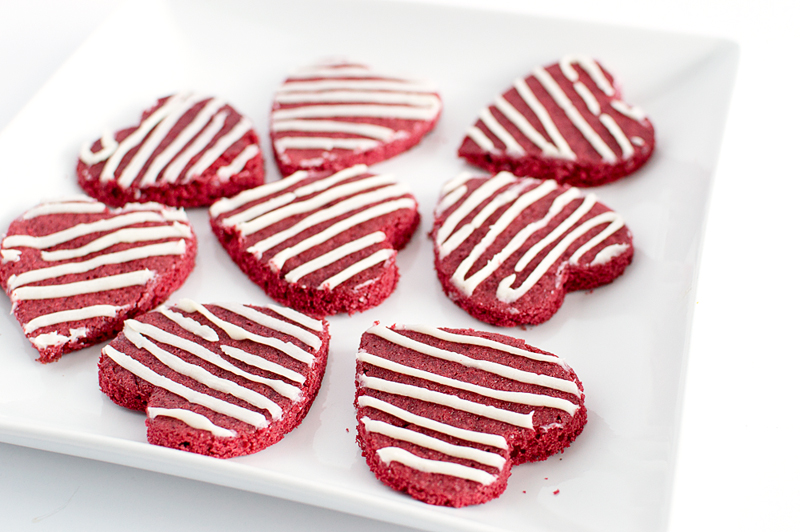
(321, 243)
(188, 150)
(566, 122)
(76, 269)
(443, 414)
(507, 249)
(221, 380)
(334, 115)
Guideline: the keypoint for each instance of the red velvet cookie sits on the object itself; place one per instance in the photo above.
(321, 243)
(565, 122)
(188, 150)
(507, 249)
(221, 380)
(444, 414)
(76, 269)
(335, 115)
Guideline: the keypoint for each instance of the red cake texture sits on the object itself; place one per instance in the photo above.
(444, 414)
(507, 249)
(565, 122)
(222, 380)
(188, 150)
(335, 115)
(321, 243)
(75, 269)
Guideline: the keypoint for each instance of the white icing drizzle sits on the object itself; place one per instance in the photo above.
(201, 375)
(297, 317)
(396, 454)
(174, 247)
(468, 285)
(494, 440)
(239, 333)
(483, 342)
(335, 254)
(638, 141)
(448, 400)
(522, 398)
(422, 440)
(198, 123)
(608, 253)
(245, 415)
(310, 339)
(224, 205)
(107, 146)
(60, 207)
(83, 229)
(135, 332)
(10, 255)
(557, 146)
(238, 164)
(508, 295)
(113, 231)
(63, 316)
(173, 155)
(351, 195)
(331, 126)
(377, 100)
(266, 365)
(380, 256)
(494, 368)
(188, 324)
(54, 339)
(450, 199)
(102, 284)
(192, 419)
(123, 236)
(455, 183)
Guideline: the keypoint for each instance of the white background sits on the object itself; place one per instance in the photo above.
(738, 460)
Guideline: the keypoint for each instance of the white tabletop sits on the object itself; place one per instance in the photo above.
(737, 461)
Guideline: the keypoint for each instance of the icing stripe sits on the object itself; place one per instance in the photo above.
(423, 440)
(372, 111)
(203, 376)
(179, 164)
(334, 255)
(75, 207)
(334, 230)
(524, 91)
(107, 146)
(591, 68)
(480, 138)
(355, 84)
(82, 229)
(591, 102)
(188, 324)
(176, 247)
(508, 295)
(468, 285)
(64, 316)
(266, 365)
(217, 405)
(53, 338)
(349, 96)
(451, 401)
(275, 324)
(511, 145)
(323, 143)
(123, 236)
(525, 127)
(239, 333)
(376, 258)
(484, 365)
(230, 204)
(200, 121)
(396, 454)
(221, 146)
(192, 419)
(483, 438)
(331, 126)
(135, 138)
(522, 398)
(483, 342)
(297, 317)
(134, 329)
(238, 164)
(102, 284)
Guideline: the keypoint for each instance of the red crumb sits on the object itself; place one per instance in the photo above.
(347, 429)
(556, 492)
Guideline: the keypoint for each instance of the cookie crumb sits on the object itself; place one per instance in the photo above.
(556, 492)
(347, 429)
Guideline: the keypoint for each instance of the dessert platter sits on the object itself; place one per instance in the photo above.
(627, 340)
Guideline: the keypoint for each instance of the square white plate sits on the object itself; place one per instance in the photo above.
(627, 341)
